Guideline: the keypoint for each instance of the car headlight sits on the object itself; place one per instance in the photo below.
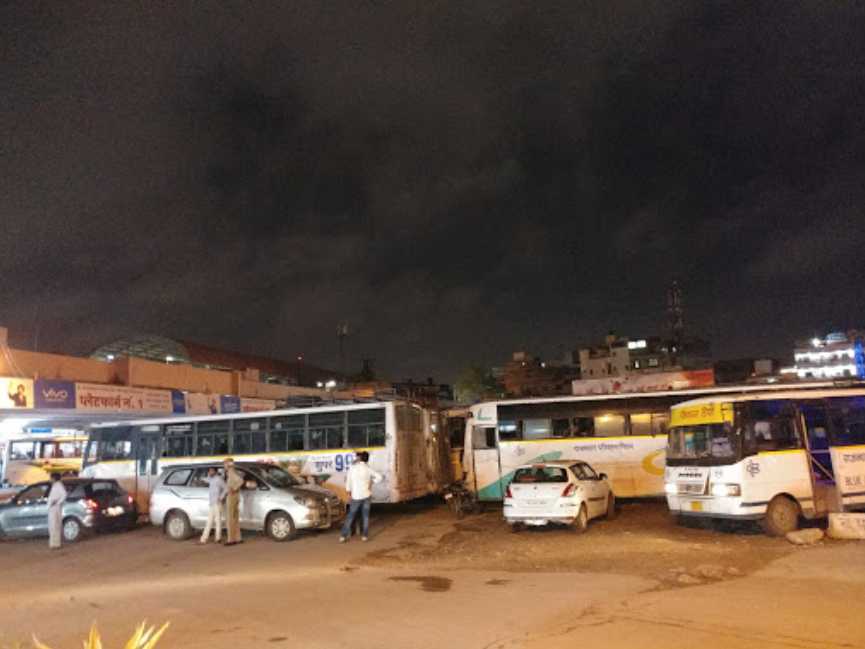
(722, 489)
(671, 488)
(303, 500)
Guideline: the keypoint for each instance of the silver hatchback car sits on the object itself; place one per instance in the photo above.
(272, 500)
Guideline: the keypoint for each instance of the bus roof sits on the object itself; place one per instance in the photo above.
(695, 392)
(179, 419)
(793, 392)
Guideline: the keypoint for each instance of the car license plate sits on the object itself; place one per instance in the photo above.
(696, 506)
(114, 511)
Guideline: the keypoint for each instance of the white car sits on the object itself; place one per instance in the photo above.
(568, 492)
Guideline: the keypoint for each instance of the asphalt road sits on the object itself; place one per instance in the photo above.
(417, 584)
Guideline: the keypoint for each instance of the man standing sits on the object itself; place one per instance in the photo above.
(234, 484)
(56, 498)
(358, 484)
(216, 494)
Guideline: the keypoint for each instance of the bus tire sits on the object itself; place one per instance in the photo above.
(782, 516)
(280, 527)
(71, 530)
(581, 522)
(177, 526)
(611, 506)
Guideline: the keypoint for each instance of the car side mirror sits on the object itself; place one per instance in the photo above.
(602, 476)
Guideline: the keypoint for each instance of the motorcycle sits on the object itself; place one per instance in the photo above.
(460, 500)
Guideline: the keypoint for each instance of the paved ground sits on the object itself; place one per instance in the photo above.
(425, 580)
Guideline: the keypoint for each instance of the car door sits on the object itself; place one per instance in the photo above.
(29, 514)
(251, 501)
(197, 494)
(596, 490)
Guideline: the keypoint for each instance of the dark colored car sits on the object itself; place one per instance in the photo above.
(91, 505)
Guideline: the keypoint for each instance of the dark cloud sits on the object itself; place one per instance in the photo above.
(455, 181)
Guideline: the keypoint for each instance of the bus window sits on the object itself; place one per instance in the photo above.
(537, 429)
(250, 436)
(456, 432)
(326, 430)
(641, 424)
(847, 416)
(177, 440)
(770, 426)
(609, 426)
(562, 427)
(584, 426)
(115, 449)
(483, 437)
(366, 428)
(510, 430)
(213, 437)
(22, 450)
(286, 433)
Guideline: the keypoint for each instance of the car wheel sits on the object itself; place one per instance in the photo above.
(71, 530)
(177, 526)
(782, 516)
(611, 506)
(280, 527)
(581, 522)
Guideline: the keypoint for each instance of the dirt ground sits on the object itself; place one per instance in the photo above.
(642, 540)
(425, 579)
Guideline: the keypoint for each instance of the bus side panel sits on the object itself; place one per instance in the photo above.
(849, 465)
(770, 473)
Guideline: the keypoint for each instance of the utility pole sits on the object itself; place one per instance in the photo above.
(341, 334)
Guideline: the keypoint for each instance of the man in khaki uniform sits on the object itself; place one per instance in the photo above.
(233, 483)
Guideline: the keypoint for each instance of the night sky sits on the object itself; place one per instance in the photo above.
(454, 180)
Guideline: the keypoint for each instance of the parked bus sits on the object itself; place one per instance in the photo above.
(317, 443)
(768, 456)
(622, 435)
(30, 458)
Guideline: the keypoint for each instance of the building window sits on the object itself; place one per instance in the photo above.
(653, 362)
(636, 365)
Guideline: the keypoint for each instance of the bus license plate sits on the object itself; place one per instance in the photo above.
(696, 506)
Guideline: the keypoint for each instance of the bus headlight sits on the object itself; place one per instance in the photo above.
(721, 489)
(671, 488)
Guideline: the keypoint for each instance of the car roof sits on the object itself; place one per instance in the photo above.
(559, 463)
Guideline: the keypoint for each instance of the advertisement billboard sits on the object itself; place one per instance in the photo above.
(54, 393)
(16, 393)
(249, 404)
(93, 396)
(649, 382)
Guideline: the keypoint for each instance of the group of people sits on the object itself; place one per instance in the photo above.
(224, 495)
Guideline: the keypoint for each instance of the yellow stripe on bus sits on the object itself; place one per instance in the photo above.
(576, 439)
(204, 458)
(784, 452)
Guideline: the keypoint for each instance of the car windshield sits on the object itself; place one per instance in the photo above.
(278, 477)
(535, 474)
(702, 441)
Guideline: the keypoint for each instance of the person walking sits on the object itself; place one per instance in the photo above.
(56, 498)
(233, 483)
(358, 485)
(216, 491)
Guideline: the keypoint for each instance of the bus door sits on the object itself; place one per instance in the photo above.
(147, 465)
(817, 440)
(486, 464)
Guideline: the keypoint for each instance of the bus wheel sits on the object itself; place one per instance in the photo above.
(611, 506)
(280, 527)
(581, 522)
(782, 516)
(177, 526)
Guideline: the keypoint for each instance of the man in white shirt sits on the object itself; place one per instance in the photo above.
(56, 498)
(358, 485)
(216, 492)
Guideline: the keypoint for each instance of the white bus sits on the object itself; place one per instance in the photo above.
(768, 456)
(317, 443)
(623, 435)
(33, 458)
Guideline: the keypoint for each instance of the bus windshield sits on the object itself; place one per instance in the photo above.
(716, 441)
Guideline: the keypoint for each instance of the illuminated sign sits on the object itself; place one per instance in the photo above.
(705, 413)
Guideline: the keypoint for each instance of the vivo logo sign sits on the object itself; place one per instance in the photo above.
(54, 394)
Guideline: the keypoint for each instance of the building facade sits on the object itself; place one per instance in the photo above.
(838, 355)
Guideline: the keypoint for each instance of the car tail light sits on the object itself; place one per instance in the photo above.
(129, 499)
(91, 504)
(508, 492)
(569, 490)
